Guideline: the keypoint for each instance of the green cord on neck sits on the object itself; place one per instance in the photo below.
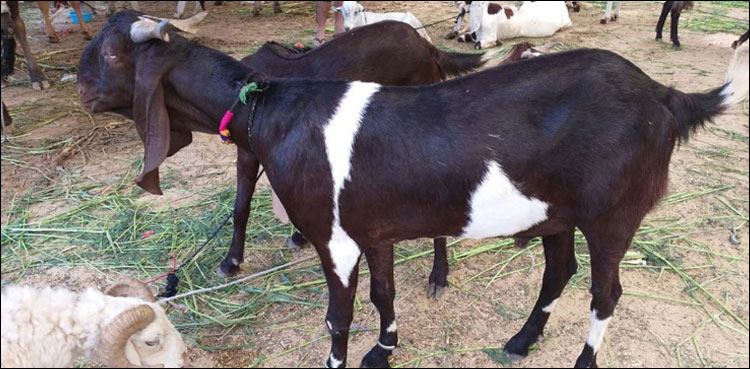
(251, 87)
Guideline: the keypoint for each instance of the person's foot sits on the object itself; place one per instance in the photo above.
(318, 41)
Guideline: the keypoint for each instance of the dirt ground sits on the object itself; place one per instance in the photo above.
(664, 319)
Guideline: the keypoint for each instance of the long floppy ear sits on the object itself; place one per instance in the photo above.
(152, 122)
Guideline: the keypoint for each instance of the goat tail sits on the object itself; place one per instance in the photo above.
(693, 110)
(455, 64)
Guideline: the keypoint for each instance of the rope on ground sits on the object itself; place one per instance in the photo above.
(237, 281)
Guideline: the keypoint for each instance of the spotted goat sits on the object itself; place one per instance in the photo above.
(491, 23)
(479, 156)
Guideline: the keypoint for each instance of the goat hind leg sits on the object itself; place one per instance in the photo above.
(673, 28)
(560, 265)
(382, 293)
(606, 254)
(84, 28)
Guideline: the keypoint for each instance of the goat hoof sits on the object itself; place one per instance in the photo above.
(40, 85)
(658, 38)
(451, 35)
(461, 39)
(614, 19)
(376, 358)
(478, 45)
(509, 357)
(227, 269)
(434, 291)
(603, 21)
(577, 8)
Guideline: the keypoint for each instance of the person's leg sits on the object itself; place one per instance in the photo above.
(338, 19)
(321, 14)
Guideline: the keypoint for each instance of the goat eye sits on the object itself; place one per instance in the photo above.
(152, 342)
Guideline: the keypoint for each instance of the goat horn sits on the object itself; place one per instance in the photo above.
(146, 29)
(128, 287)
(115, 336)
(189, 25)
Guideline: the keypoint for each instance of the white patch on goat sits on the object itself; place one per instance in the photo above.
(498, 208)
(549, 308)
(392, 328)
(330, 327)
(340, 133)
(335, 363)
(596, 331)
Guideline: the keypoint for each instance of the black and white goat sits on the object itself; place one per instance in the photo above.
(484, 155)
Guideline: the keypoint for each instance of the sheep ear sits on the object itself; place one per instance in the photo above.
(131, 354)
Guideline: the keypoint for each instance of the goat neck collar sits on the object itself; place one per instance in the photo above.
(251, 88)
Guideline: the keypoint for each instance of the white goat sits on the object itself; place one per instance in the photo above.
(490, 23)
(355, 15)
(125, 327)
(608, 14)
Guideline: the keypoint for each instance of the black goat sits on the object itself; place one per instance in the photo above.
(484, 155)
(675, 8)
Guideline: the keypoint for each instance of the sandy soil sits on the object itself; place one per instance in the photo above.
(681, 327)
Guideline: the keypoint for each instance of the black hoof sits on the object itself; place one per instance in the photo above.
(376, 358)
(461, 39)
(603, 21)
(228, 269)
(435, 291)
(451, 35)
(509, 357)
(478, 45)
(658, 38)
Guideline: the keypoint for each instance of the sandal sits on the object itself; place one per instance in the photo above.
(318, 41)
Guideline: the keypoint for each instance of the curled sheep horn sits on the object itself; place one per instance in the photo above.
(129, 287)
(115, 336)
(146, 29)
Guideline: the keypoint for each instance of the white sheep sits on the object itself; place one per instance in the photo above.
(124, 327)
(355, 15)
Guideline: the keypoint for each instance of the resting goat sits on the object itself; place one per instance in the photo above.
(355, 15)
(479, 156)
(51, 328)
(490, 23)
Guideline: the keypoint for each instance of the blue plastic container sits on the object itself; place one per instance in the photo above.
(87, 17)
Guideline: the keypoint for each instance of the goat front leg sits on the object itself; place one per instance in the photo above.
(663, 18)
(673, 28)
(38, 81)
(607, 13)
(382, 293)
(247, 170)
(439, 276)
(341, 291)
